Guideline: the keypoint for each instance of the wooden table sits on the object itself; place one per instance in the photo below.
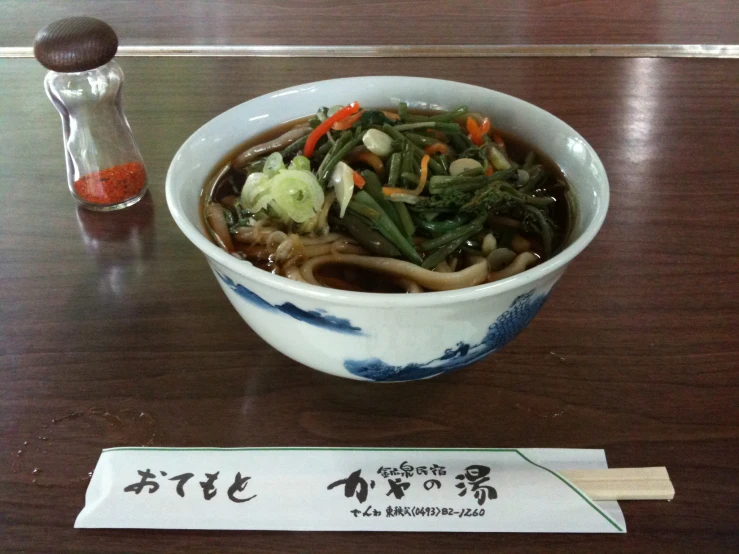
(113, 331)
(338, 22)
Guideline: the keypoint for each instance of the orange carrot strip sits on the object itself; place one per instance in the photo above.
(472, 127)
(358, 180)
(424, 174)
(474, 130)
(438, 148)
(485, 127)
(499, 141)
(391, 115)
(389, 191)
(347, 122)
(489, 171)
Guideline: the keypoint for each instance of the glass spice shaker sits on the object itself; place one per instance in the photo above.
(105, 170)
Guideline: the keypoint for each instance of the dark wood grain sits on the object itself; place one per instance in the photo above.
(382, 22)
(118, 313)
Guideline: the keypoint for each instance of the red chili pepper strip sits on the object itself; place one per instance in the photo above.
(322, 129)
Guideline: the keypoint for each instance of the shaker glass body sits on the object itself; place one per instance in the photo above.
(105, 170)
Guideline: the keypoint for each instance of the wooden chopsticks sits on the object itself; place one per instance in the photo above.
(633, 483)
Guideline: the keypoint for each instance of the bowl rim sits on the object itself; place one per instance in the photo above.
(431, 298)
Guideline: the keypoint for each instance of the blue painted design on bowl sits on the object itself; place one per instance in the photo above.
(511, 322)
(317, 318)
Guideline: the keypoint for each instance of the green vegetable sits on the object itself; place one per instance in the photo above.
(438, 118)
(420, 140)
(292, 194)
(441, 254)
(343, 140)
(497, 158)
(544, 228)
(462, 231)
(273, 164)
(447, 201)
(373, 187)
(372, 117)
(538, 201)
(459, 143)
(392, 131)
(439, 227)
(296, 195)
(255, 194)
(396, 159)
(229, 217)
(464, 182)
(408, 155)
(453, 115)
(415, 118)
(300, 162)
(405, 218)
(322, 150)
(438, 126)
(294, 147)
(536, 176)
(410, 179)
(372, 241)
(491, 198)
(335, 157)
(363, 204)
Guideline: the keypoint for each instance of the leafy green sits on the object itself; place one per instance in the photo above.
(450, 201)
(491, 199)
(372, 117)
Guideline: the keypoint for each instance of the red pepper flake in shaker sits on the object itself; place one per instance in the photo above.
(113, 185)
(105, 171)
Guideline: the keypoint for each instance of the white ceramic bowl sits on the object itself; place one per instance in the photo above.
(385, 337)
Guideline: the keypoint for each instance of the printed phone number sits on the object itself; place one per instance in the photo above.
(418, 511)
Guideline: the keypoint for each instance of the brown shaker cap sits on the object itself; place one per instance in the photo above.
(75, 44)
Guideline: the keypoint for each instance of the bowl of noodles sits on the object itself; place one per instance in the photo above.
(387, 228)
